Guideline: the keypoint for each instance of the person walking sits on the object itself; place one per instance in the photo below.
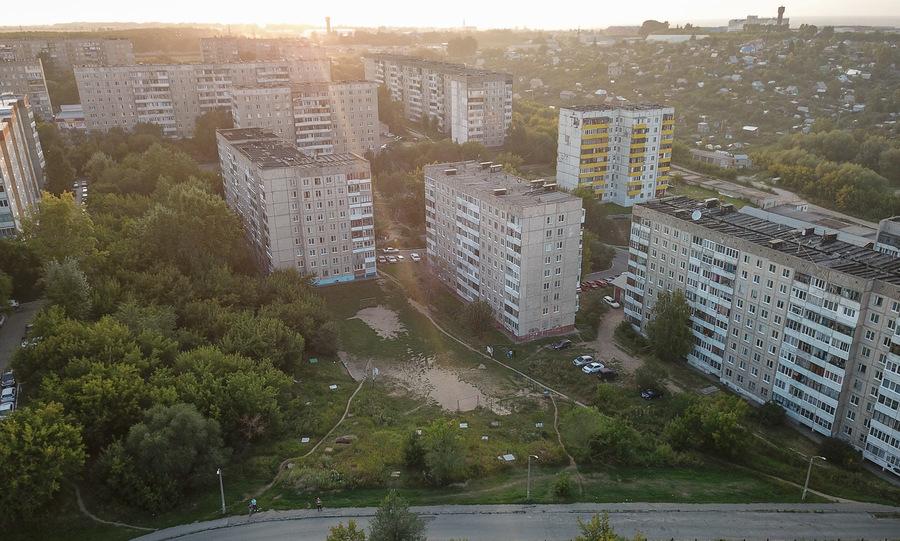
(318, 503)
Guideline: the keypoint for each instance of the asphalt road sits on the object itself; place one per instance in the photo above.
(12, 331)
(559, 522)
(619, 265)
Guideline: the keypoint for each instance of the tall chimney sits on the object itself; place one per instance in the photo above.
(328, 23)
(780, 14)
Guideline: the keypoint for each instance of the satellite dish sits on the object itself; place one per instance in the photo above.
(696, 215)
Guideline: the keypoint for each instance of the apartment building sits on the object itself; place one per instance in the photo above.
(67, 53)
(218, 50)
(622, 153)
(466, 103)
(320, 118)
(174, 95)
(310, 213)
(780, 314)
(21, 163)
(27, 79)
(515, 244)
(888, 237)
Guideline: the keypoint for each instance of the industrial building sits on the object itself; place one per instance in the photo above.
(173, 96)
(21, 163)
(310, 213)
(622, 153)
(320, 118)
(515, 244)
(780, 314)
(466, 103)
(26, 78)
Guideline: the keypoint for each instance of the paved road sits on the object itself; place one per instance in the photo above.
(11, 333)
(619, 265)
(559, 522)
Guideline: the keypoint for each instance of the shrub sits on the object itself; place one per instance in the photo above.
(710, 424)
(414, 452)
(840, 453)
(770, 414)
(562, 487)
(650, 376)
(628, 337)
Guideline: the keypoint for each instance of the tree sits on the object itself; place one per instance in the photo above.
(59, 171)
(445, 454)
(652, 27)
(59, 229)
(710, 424)
(21, 264)
(462, 47)
(173, 450)
(6, 287)
(67, 287)
(414, 451)
(394, 521)
(669, 329)
(205, 131)
(263, 338)
(889, 165)
(350, 532)
(650, 376)
(479, 316)
(596, 529)
(39, 449)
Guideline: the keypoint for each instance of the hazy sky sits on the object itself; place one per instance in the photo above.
(444, 13)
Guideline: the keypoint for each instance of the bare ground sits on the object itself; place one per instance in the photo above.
(384, 321)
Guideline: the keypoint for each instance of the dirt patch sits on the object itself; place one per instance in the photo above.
(606, 347)
(384, 321)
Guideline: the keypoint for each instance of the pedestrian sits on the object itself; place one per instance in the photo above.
(318, 503)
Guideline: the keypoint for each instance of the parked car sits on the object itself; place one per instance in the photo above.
(382, 259)
(400, 257)
(562, 344)
(390, 250)
(587, 285)
(8, 379)
(607, 374)
(6, 409)
(582, 360)
(600, 283)
(592, 368)
(650, 394)
(611, 302)
(415, 257)
(578, 289)
(14, 304)
(392, 259)
(2, 319)
(8, 394)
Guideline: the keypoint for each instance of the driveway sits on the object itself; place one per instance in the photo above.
(559, 522)
(11, 333)
(605, 345)
(619, 265)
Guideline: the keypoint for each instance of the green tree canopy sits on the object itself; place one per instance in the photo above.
(669, 329)
(394, 521)
(59, 228)
(66, 286)
(445, 454)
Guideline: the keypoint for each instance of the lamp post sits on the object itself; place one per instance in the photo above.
(808, 471)
(528, 482)
(221, 488)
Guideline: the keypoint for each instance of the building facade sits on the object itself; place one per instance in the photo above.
(515, 244)
(466, 103)
(67, 53)
(27, 79)
(310, 213)
(755, 21)
(172, 96)
(780, 314)
(720, 158)
(888, 239)
(228, 49)
(621, 153)
(21, 163)
(320, 118)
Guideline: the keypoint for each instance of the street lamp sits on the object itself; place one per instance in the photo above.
(221, 488)
(528, 483)
(808, 471)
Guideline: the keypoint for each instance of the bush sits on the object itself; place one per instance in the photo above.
(615, 442)
(629, 338)
(562, 487)
(770, 414)
(651, 377)
(840, 453)
(414, 452)
(710, 424)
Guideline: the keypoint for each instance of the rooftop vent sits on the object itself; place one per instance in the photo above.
(807, 231)
(451, 171)
(829, 237)
(711, 203)
(485, 165)
(550, 186)
(496, 168)
(500, 191)
(727, 208)
(776, 243)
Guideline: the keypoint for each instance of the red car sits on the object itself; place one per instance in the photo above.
(587, 285)
(600, 283)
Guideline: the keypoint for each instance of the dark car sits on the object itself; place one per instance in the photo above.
(562, 344)
(7, 379)
(650, 394)
(607, 374)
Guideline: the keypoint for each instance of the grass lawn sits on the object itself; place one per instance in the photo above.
(613, 208)
(699, 192)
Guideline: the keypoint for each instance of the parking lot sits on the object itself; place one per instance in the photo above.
(13, 330)
(400, 256)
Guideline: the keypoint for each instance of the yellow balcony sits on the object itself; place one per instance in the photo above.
(587, 136)
(634, 173)
(662, 187)
(592, 144)
(670, 131)
(634, 183)
(632, 193)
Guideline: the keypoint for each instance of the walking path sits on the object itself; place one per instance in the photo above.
(95, 518)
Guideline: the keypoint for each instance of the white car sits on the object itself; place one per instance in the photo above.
(592, 368)
(8, 395)
(415, 257)
(6, 409)
(611, 301)
(400, 257)
(392, 259)
(582, 360)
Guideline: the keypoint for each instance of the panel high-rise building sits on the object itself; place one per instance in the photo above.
(21, 163)
(67, 53)
(792, 316)
(310, 213)
(218, 50)
(172, 96)
(621, 153)
(320, 118)
(466, 103)
(515, 244)
(27, 79)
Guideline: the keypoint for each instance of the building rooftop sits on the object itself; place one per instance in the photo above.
(608, 107)
(267, 150)
(448, 67)
(489, 181)
(823, 250)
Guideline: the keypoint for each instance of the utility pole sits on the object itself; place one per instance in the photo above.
(808, 471)
(221, 488)
(528, 482)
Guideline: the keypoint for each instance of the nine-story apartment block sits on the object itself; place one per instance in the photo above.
(310, 213)
(779, 314)
(621, 153)
(515, 244)
(26, 78)
(21, 163)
